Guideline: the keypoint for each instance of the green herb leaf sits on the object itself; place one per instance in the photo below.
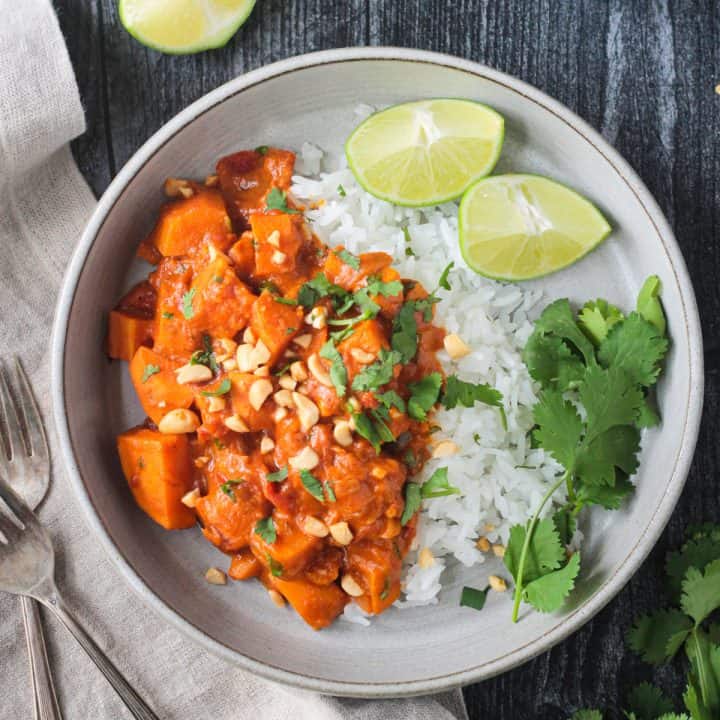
(404, 338)
(597, 317)
(227, 488)
(698, 553)
(285, 301)
(262, 149)
(473, 598)
(277, 200)
(701, 592)
(329, 491)
(149, 371)
(438, 485)
(206, 356)
(548, 592)
(386, 589)
(320, 287)
(312, 485)
(443, 281)
(649, 304)
(648, 702)
(376, 286)
(587, 715)
(338, 371)
(657, 637)
(265, 528)
(278, 475)
(370, 430)
(467, 394)
(379, 373)
(369, 308)
(545, 551)
(413, 500)
(341, 191)
(390, 399)
(222, 389)
(424, 395)
(168, 315)
(349, 259)
(276, 568)
(552, 363)
(187, 301)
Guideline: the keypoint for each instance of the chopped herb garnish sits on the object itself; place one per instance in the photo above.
(277, 200)
(218, 443)
(312, 485)
(168, 315)
(278, 475)
(367, 429)
(409, 459)
(349, 259)
(369, 308)
(276, 568)
(406, 233)
(438, 486)
(413, 500)
(376, 286)
(341, 191)
(262, 149)
(149, 371)
(467, 394)
(476, 438)
(329, 491)
(285, 301)
(227, 488)
(379, 373)
(386, 589)
(409, 252)
(290, 330)
(443, 281)
(320, 287)
(391, 399)
(423, 395)
(206, 356)
(473, 598)
(270, 286)
(218, 279)
(222, 389)
(283, 369)
(265, 528)
(404, 336)
(338, 371)
(187, 301)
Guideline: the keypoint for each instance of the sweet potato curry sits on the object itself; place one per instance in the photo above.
(287, 387)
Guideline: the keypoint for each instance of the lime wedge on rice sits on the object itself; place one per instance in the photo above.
(518, 227)
(425, 152)
(184, 26)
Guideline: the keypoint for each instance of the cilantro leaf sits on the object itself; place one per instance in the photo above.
(320, 287)
(565, 524)
(148, 372)
(265, 528)
(369, 308)
(349, 259)
(222, 389)
(366, 428)
(227, 488)
(597, 317)
(390, 399)
(276, 568)
(413, 501)
(609, 497)
(545, 552)
(404, 338)
(312, 485)
(277, 200)
(557, 319)
(376, 286)
(341, 191)
(701, 592)
(338, 371)
(559, 427)
(206, 356)
(423, 395)
(551, 362)
(443, 280)
(587, 715)
(704, 659)
(635, 346)
(467, 394)
(187, 301)
(649, 305)
(329, 491)
(473, 598)
(548, 592)
(697, 553)
(278, 475)
(438, 485)
(617, 447)
(262, 149)
(648, 415)
(379, 373)
(648, 702)
(657, 637)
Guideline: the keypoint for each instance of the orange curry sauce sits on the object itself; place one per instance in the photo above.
(246, 431)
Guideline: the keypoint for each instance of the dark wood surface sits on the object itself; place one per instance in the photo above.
(642, 73)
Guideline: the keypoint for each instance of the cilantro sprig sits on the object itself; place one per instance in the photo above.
(277, 200)
(338, 371)
(603, 364)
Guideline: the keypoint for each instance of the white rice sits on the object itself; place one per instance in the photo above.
(501, 477)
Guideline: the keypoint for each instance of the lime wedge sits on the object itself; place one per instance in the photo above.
(180, 27)
(425, 152)
(518, 227)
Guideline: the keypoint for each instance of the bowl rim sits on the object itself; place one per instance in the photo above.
(566, 624)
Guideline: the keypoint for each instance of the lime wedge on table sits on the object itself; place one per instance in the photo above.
(184, 26)
(425, 152)
(518, 227)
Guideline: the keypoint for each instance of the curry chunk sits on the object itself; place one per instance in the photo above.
(292, 551)
(278, 238)
(275, 323)
(317, 605)
(376, 567)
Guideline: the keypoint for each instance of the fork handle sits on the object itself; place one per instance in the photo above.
(45, 701)
(134, 703)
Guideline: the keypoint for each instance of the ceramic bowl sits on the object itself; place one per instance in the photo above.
(404, 652)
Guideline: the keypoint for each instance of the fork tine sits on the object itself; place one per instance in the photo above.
(35, 433)
(13, 433)
(21, 511)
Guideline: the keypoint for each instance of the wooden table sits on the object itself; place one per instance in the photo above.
(642, 73)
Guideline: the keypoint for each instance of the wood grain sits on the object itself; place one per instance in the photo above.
(643, 73)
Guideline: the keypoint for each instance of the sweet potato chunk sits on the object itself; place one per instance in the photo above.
(367, 341)
(244, 565)
(375, 565)
(275, 324)
(184, 223)
(159, 472)
(317, 605)
(344, 275)
(256, 420)
(292, 550)
(242, 253)
(158, 392)
(286, 243)
(127, 331)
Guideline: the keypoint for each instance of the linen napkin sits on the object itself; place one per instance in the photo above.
(44, 204)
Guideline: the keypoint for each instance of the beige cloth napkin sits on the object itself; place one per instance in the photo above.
(44, 204)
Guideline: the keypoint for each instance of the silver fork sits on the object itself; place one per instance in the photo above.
(27, 564)
(27, 466)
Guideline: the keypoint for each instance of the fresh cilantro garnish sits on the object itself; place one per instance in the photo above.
(349, 259)
(290, 330)
(379, 373)
(222, 389)
(168, 315)
(312, 485)
(438, 486)
(265, 528)
(413, 500)
(473, 598)
(320, 287)
(338, 372)
(376, 286)
(409, 252)
(373, 429)
(148, 372)
(277, 200)
(329, 491)
(649, 305)
(443, 281)
(206, 356)
(218, 443)
(285, 301)
(588, 715)
(646, 701)
(218, 279)
(262, 149)
(276, 568)
(369, 308)
(459, 392)
(278, 475)
(404, 338)
(341, 191)
(227, 488)
(386, 589)
(391, 399)
(423, 395)
(187, 301)
(406, 234)
(270, 286)
(595, 372)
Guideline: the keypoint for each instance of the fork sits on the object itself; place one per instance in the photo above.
(27, 558)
